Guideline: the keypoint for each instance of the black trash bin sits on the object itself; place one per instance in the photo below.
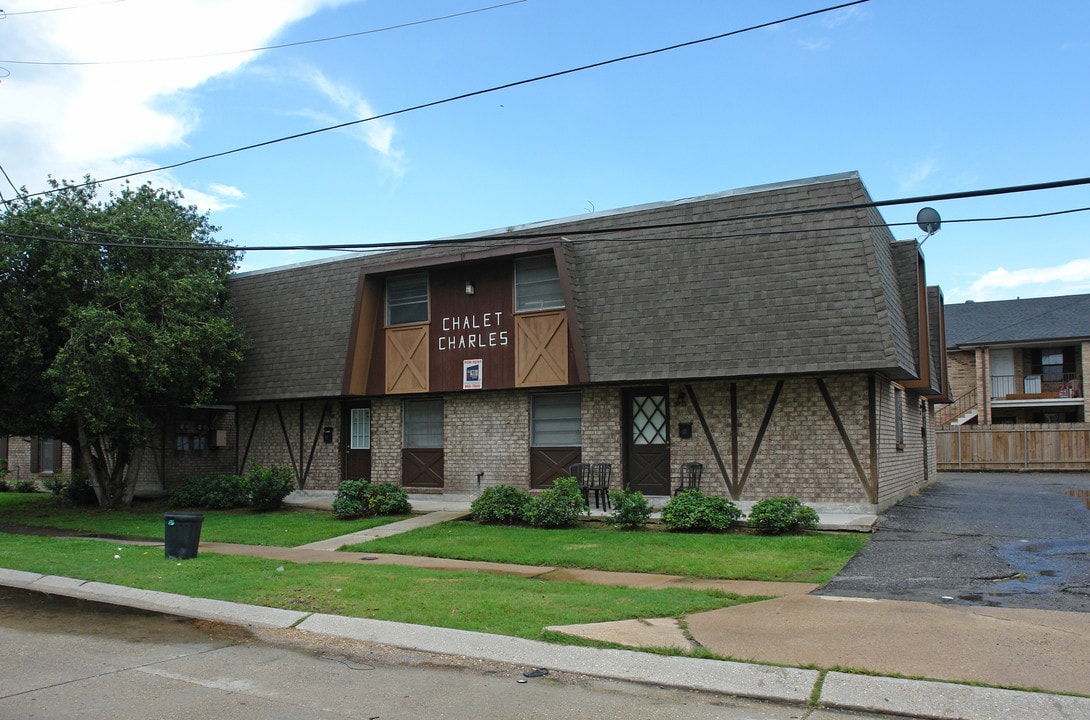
(183, 534)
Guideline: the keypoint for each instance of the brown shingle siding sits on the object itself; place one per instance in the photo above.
(801, 293)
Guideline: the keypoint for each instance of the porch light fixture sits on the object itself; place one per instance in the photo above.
(471, 289)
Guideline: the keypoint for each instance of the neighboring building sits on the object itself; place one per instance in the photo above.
(34, 458)
(1018, 361)
(778, 334)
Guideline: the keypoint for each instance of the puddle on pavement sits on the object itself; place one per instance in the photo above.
(1040, 567)
(1083, 495)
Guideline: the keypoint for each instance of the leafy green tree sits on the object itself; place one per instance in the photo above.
(112, 311)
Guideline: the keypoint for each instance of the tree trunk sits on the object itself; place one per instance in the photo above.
(112, 467)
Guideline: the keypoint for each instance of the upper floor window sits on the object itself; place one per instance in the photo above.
(537, 284)
(407, 299)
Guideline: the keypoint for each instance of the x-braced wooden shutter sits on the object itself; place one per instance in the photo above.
(407, 359)
(541, 349)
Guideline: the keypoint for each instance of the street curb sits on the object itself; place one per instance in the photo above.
(945, 701)
(915, 698)
(790, 685)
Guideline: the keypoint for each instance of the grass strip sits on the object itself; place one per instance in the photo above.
(289, 527)
(462, 600)
(813, 557)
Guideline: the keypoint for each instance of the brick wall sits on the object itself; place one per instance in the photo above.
(489, 433)
(291, 433)
(801, 454)
(901, 471)
(961, 370)
(20, 463)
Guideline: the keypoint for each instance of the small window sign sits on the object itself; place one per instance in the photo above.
(472, 371)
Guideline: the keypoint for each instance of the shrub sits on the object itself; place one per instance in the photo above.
(360, 498)
(559, 506)
(213, 493)
(630, 509)
(269, 486)
(500, 505)
(4, 487)
(692, 510)
(25, 485)
(782, 515)
(78, 491)
(55, 484)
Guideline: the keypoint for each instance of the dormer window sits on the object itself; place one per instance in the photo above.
(407, 299)
(537, 284)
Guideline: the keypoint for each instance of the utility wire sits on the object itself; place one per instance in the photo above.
(467, 95)
(59, 9)
(150, 243)
(79, 63)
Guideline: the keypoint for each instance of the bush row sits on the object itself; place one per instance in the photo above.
(689, 511)
(262, 489)
(559, 506)
(361, 498)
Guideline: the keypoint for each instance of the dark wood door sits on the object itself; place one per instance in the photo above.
(357, 446)
(647, 440)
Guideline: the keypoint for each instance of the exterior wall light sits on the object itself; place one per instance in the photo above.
(470, 287)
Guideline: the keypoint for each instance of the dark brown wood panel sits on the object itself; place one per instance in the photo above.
(547, 464)
(422, 467)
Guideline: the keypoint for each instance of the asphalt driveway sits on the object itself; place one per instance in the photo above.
(1019, 540)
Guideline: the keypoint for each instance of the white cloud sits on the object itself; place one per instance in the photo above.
(351, 105)
(917, 174)
(71, 120)
(1001, 284)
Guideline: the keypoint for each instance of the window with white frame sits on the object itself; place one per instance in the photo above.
(422, 423)
(359, 429)
(555, 420)
(537, 284)
(407, 299)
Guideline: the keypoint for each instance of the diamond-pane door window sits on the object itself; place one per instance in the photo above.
(649, 420)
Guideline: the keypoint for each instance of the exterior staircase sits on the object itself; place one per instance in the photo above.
(959, 412)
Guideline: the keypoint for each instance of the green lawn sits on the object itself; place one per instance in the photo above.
(463, 600)
(283, 528)
(814, 557)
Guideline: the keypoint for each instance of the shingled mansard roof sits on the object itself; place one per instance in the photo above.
(719, 286)
(970, 324)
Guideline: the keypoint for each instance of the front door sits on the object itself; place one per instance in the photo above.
(647, 440)
(357, 459)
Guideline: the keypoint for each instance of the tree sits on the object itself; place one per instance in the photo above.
(112, 312)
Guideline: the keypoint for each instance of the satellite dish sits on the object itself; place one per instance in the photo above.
(928, 220)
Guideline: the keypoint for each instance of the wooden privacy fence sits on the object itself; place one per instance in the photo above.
(1014, 447)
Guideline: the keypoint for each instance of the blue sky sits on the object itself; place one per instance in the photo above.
(920, 97)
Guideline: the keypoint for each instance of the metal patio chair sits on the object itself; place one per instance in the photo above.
(689, 477)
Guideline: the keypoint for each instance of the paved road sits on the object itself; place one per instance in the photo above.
(64, 658)
(996, 539)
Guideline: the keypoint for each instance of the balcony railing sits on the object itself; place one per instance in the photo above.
(1034, 387)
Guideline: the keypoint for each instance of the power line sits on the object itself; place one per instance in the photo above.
(59, 9)
(79, 63)
(471, 94)
(549, 237)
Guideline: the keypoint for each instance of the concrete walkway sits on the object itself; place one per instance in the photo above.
(796, 631)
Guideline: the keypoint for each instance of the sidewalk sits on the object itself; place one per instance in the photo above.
(999, 647)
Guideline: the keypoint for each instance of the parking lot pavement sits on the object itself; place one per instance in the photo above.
(1013, 540)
